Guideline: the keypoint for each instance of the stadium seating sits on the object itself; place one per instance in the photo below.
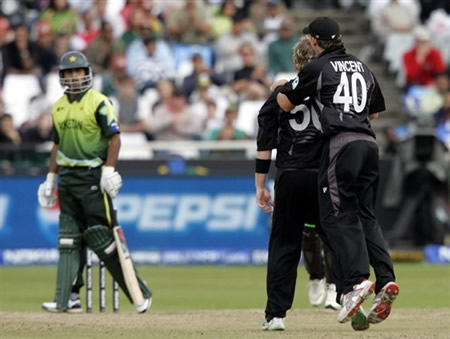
(247, 117)
(18, 90)
(396, 45)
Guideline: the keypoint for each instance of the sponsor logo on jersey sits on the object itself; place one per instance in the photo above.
(71, 124)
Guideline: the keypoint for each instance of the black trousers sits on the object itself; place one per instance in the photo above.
(296, 203)
(348, 183)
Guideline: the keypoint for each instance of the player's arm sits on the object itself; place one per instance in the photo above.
(299, 88)
(262, 166)
(113, 150)
(46, 190)
(110, 181)
(373, 116)
(53, 167)
(284, 102)
(376, 103)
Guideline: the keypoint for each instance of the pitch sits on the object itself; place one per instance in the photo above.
(216, 302)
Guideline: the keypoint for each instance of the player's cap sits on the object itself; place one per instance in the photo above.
(421, 33)
(323, 28)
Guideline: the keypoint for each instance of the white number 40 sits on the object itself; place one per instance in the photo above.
(342, 95)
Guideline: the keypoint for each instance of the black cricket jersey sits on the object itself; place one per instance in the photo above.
(296, 135)
(344, 90)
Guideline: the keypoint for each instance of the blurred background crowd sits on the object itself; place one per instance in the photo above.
(182, 70)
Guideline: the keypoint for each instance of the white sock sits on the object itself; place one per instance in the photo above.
(74, 296)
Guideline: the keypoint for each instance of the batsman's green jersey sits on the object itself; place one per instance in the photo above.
(82, 128)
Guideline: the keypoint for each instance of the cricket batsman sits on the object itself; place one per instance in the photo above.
(86, 139)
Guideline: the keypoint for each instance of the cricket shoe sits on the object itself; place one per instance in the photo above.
(274, 324)
(73, 307)
(145, 306)
(330, 301)
(359, 320)
(382, 304)
(353, 300)
(316, 293)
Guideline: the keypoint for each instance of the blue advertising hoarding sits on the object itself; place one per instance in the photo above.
(166, 220)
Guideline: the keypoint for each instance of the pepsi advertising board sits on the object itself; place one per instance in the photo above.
(166, 220)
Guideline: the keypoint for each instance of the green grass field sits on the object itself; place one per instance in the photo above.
(185, 288)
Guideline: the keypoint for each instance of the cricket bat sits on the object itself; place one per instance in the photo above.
(127, 267)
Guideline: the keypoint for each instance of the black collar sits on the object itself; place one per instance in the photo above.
(78, 97)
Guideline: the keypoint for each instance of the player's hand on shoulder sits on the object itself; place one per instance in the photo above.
(110, 181)
(46, 192)
(277, 83)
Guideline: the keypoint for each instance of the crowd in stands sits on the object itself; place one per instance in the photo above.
(412, 39)
(192, 69)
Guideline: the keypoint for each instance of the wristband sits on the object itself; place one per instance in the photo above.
(262, 165)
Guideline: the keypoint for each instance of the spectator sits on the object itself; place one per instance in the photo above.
(154, 16)
(223, 21)
(137, 51)
(5, 38)
(165, 89)
(61, 16)
(433, 96)
(393, 17)
(137, 20)
(229, 131)
(280, 51)
(18, 54)
(428, 6)
(423, 61)
(62, 44)
(152, 69)
(5, 35)
(118, 70)
(152, 11)
(391, 140)
(227, 47)
(10, 139)
(190, 24)
(442, 116)
(174, 120)
(9, 134)
(87, 30)
(273, 18)
(101, 14)
(208, 104)
(250, 82)
(130, 107)
(199, 68)
(41, 131)
(46, 58)
(103, 48)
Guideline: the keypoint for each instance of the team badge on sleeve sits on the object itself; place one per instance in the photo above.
(114, 126)
(295, 82)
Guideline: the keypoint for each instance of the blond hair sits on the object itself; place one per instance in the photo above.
(303, 52)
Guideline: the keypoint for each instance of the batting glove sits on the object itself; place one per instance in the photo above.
(46, 191)
(110, 182)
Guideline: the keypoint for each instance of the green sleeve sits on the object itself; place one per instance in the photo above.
(106, 118)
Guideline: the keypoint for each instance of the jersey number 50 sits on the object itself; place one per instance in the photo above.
(357, 99)
(308, 115)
